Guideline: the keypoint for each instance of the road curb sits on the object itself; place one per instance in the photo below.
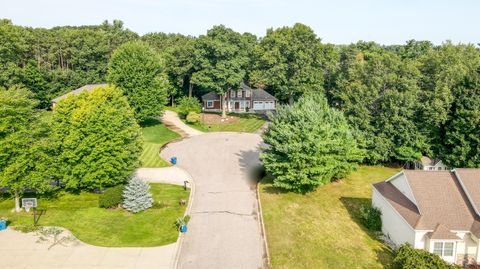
(262, 224)
(174, 264)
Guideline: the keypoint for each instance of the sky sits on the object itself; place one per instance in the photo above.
(338, 22)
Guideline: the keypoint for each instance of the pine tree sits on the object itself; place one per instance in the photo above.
(137, 196)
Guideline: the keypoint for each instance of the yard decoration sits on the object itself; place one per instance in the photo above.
(137, 196)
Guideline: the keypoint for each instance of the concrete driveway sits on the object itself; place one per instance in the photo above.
(224, 231)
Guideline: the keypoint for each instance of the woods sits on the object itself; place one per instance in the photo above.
(400, 101)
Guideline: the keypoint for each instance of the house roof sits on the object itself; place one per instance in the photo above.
(442, 232)
(428, 161)
(438, 199)
(257, 94)
(88, 87)
(469, 179)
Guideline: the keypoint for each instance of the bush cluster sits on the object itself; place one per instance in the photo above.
(371, 218)
(111, 197)
(193, 117)
(409, 258)
(187, 105)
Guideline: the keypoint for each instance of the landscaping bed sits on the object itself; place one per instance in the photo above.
(155, 135)
(323, 229)
(117, 227)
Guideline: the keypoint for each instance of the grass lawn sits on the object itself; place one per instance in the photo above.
(247, 123)
(322, 229)
(107, 227)
(155, 135)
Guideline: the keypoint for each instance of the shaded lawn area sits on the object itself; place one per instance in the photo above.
(322, 229)
(247, 123)
(107, 227)
(155, 135)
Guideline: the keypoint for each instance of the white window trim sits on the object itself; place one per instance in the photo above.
(443, 248)
(247, 93)
(209, 104)
(232, 93)
(239, 93)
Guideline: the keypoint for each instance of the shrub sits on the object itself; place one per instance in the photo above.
(137, 196)
(371, 218)
(182, 220)
(409, 258)
(193, 117)
(111, 197)
(187, 105)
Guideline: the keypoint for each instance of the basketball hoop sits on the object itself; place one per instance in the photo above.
(28, 203)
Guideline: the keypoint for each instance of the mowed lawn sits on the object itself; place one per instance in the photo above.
(155, 135)
(247, 123)
(322, 229)
(108, 227)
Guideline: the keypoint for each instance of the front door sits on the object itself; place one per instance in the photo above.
(237, 105)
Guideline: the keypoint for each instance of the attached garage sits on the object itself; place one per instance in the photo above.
(263, 105)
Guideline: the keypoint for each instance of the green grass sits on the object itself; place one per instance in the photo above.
(107, 227)
(322, 229)
(155, 135)
(247, 123)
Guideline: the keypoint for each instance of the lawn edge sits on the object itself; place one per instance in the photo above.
(262, 225)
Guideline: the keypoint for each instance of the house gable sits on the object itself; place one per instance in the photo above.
(400, 182)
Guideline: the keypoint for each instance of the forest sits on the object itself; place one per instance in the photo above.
(400, 101)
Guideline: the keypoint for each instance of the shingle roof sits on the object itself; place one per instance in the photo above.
(438, 198)
(210, 96)
(470, 181)
(262, 95)
(428, 161)
(442, 232)
(257, 94)
(87, 87)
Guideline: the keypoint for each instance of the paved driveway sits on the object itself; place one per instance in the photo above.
(224, 231)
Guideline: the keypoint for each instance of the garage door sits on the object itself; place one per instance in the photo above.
(269, 105)
(258, 105)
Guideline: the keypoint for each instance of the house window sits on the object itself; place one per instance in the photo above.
(239, 94)
(247, 93)
(209, 104)
(232, 94)
(443, 249)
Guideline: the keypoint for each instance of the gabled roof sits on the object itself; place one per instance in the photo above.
(469, 179)
(88, 87)
(257, 94)
(442, 232)
(262, 95)
(429, 161)
(438, 199)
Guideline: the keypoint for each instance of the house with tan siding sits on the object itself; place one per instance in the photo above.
(437, 211)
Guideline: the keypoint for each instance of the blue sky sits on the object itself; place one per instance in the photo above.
(340, 22)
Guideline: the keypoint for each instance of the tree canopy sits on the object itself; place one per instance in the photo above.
(98, 140)
(138, 70)
(310, 144)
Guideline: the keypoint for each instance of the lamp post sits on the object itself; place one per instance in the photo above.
(203, 114)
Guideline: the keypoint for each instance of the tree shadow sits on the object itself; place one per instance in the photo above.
(150, 122)
(353, 206)
(250, 164)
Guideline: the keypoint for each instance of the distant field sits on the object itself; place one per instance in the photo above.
(155, 135)
(322, 229)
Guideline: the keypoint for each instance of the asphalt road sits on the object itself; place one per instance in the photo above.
(224, 230)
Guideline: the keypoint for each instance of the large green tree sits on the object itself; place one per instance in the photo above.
(25, 144)
(309, 144)
(98, 139)
(220, 61)
(290, 62)
(139, 71)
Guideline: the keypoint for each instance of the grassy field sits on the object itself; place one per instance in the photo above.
(155, 135)
(108, 227)
(322, 229)
(247, 123)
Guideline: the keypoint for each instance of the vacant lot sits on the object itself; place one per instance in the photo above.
(107, 227)
(155, 135)
(322, 229)
(211, 122)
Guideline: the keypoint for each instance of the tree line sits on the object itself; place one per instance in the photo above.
(400, 101)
